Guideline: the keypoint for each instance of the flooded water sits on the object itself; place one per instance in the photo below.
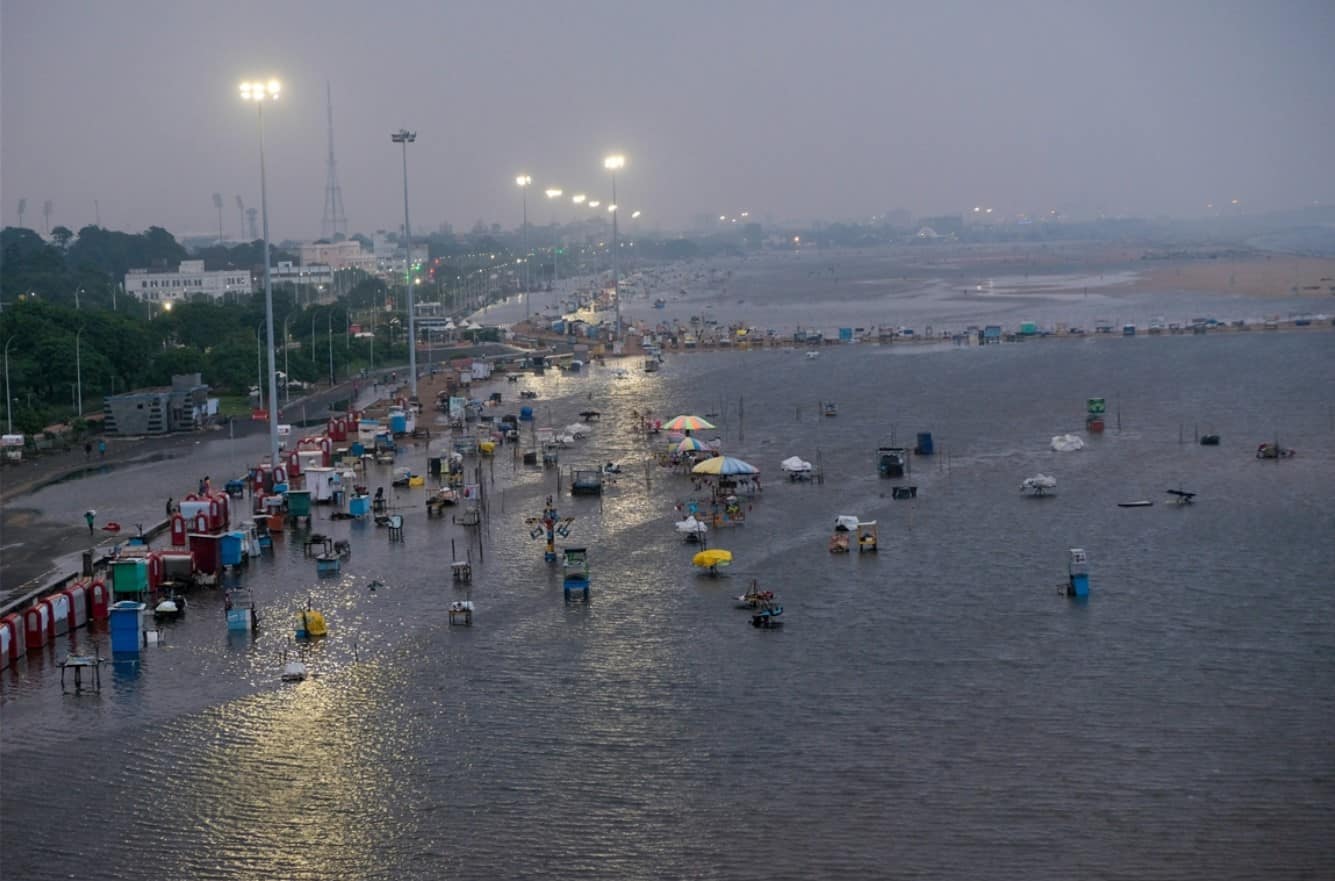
(936, 709)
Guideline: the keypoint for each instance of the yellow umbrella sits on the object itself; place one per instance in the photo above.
(712, 558)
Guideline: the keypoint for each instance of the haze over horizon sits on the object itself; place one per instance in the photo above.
(788, 111)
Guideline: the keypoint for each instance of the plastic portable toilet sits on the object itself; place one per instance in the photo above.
(60, 613)
(77, 593)
(299, 502)
(230, 548)
(127, 630)
(36, 626)
(99, 599)
(11, 639)
(129, 576)
(525, 414)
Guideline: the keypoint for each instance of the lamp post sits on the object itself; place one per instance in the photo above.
(9, 401)
(554, 193)
(259, 93)
(615, 163)
(77, 291)
(405, 137)
(259, 365)
(287, 375)
(78, 371)
(523, 181)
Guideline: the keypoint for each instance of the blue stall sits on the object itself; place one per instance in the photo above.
(127, 627)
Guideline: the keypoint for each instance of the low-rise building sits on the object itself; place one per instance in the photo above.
(347, 254)
(190, 280)
(182, 406)
(314, 283)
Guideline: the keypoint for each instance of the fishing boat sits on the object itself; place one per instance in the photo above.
(1138, 503)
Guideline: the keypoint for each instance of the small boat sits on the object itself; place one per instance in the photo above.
(830, 408)
(1209, 440)
(1138, 503)
(1181, 497)
(1265, 451)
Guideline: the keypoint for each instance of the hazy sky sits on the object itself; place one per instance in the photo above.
(789, 109)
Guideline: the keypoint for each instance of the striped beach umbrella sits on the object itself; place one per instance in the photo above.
(690, 445)
(725, 466)
(688, 423)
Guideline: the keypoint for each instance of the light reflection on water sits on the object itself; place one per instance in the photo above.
(937, 707)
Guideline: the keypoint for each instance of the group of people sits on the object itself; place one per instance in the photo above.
(88, 449)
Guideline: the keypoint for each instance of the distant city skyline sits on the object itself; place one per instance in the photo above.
(789, 113)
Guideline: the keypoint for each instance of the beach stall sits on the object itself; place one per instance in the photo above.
(321, 483)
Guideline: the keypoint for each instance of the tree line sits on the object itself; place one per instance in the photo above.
(67, 325)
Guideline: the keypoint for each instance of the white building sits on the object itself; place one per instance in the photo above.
(347, 254)
(190, 280)
(314, 283)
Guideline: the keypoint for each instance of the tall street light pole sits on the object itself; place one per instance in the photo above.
(524, 180)
(78, 370)
(405, 137)
(9, 400)
(552, 194)
(287, 373)
(259, 92)
(615, 163)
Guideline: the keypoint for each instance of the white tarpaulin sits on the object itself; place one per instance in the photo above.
(795, 464)
(1067, 443)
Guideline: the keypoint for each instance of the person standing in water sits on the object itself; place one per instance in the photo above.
(90, 516)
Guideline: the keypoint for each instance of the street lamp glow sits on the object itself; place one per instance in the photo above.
(553, 193)
(611, 208)
(746, 213)
(258, 91)
(595, 203)
(635, 215)
(578, 198)
(523, 180)
(614, 162)
(167, 307)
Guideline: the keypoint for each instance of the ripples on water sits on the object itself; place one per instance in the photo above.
(936, 709)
